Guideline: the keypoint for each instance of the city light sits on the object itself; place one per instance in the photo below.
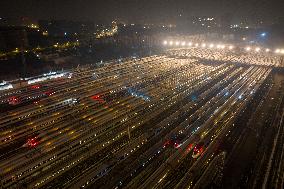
(263, 34)
(278, 51)
(108, 32)
(220, 46)
(33, 26)
(248, 48)
(45, 33)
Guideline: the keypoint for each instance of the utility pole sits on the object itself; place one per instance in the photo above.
(23, 58)
(128, 129)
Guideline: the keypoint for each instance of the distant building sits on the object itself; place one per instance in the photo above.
(13, 38)
(36, 38)
(204, 22)
(226, 19)
(66, 28)
(4, 21)
(15, 21)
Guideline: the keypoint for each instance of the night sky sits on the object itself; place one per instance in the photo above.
(143, 11)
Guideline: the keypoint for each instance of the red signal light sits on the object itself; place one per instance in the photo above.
(35, 87)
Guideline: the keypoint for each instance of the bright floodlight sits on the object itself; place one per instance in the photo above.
(165, 42)
(183, 43)
(248, 49)
(282, 51)
(231, 47)
(196, 44)
(190, 44)
(222, 46)
(203, 45)
(267, 50)
(257, 49)
(263, 34)
(177, 42)
(171, 43)
(277, 51)
(211, 45)
(218, 46)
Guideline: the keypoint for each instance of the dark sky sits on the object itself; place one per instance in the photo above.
(139, 10)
